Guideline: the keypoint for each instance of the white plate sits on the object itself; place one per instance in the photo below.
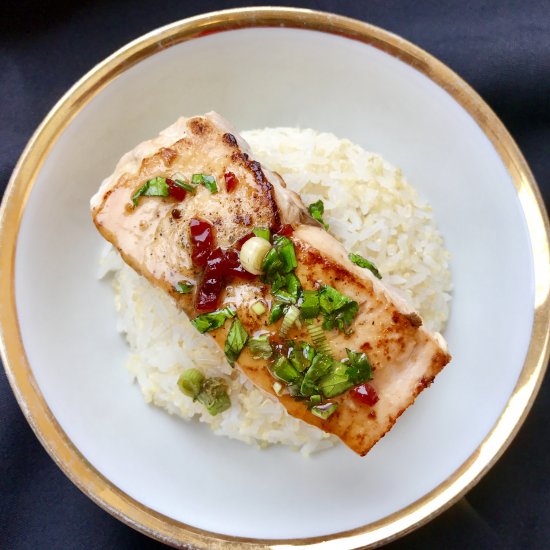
(450, 147)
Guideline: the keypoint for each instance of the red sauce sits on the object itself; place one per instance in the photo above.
(210, 288)
(285, 230)
(231, 181)
(365, 393)
(234, 267)
(202, 240)
(175, 190)
(218, 264)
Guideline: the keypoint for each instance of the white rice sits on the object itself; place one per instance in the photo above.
(369, 207)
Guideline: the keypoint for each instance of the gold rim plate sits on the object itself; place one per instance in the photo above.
(31, 401)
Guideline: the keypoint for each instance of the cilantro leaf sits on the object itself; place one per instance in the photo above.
(286, 254)
(320, 366)
(336, 381)
(357, 259)
(316, 210)
(208, 181)
(156, 187)
(338, 309)
(359, 369)
(213, 320)
(301, 356)
(184, 287)
(186, 186)
(235, 341)
(287, 289)
(283, 369)
(310, 304)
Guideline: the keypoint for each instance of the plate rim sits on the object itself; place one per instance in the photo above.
(32, 403)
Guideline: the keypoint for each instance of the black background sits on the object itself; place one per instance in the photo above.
(502, 48)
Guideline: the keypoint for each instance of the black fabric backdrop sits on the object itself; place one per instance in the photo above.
(502, 48)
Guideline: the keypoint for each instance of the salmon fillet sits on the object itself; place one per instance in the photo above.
(155, 241)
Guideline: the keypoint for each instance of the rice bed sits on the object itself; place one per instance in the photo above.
(370, 208)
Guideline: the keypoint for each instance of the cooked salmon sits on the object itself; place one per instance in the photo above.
(153, 235)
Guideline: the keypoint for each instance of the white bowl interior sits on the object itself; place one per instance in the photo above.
(257, 78)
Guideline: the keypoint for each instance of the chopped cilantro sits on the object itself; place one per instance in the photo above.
(235, 341)
(316, 210)
(338, 309)
(208, 181)
(283, 369)
(320, 366)
(184, 287)
(277, 311)
(336, 381)
(357, 259)
(310, 304)
(186, 186)
(213, 320)
(156, 187)
(359, 369)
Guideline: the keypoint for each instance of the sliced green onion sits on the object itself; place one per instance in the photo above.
(259, 347)
(277, 388)
(319, 339)
(184, 287)
(316, 210)
(315, 400)
(186, 186)
(283, 370)
(286, 288)
(357, 259)
(320, 366)
(252, 254)
(213, 320)
(291, 316)
(213, 396)
(325, 410)
(258, 308)
(190, 382)
(282, 296)
(277, 311)
(156, 187)
(262, 232)
(310, 304)
(208, 181)
(235, 341)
